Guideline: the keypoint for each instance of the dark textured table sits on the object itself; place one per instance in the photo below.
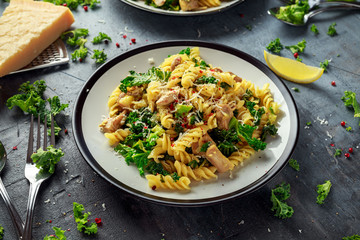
(248, 217)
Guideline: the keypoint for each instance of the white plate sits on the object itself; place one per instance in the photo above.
(91, 106)
(141, 5)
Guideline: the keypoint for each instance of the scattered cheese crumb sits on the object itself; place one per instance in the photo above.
(47, 201)
(300, 230)
(241, 222)
(103, 206)
(151, 61)
(322, 121)
(127, 29)
(101, 21)
(269, 230)
(328, 134)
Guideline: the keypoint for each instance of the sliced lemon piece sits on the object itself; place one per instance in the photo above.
(292, 70)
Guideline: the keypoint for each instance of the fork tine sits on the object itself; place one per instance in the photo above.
(52, 140)
(31, 140)
(45, 132)
(38, 134)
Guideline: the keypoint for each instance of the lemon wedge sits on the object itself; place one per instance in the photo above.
(292, 70)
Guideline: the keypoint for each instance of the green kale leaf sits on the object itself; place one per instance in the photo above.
(353, 237)
(46, 160)
(246, 131)
(314, 29)
(101, 37)
(205, 146)
(182, 110)
(275, 46)
(76, 35)
(59, 235)
(324, 65)
(323, 191)
(1, 232)
(350, 101)
(278, 197)
(82, 219)
(298, 48)
(294, 164)
(30, 100)
(332, 30)
(268, 129)
(294, 13)
(138, 79)
(99, 56)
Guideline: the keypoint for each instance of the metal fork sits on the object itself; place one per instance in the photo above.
(316, 3)
(33, 174)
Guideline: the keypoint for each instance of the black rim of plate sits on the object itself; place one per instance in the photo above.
(176, 13)
(289, 148)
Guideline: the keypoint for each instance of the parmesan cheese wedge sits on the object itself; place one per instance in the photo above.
(27, 28)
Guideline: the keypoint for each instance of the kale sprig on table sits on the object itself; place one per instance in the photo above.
(30, 100)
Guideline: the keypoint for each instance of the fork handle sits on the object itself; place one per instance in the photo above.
(33, 191)
(15, 217)
(350, 4)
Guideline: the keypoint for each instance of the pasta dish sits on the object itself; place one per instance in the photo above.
(186, 120)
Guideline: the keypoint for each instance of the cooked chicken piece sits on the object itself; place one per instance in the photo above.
(188, 5)
(223, 116)
(236, 78)
(175, 62)
(218, 70)
(114, 123)
(167, 98)
(196, 146)
(217, 159)
(159, 3)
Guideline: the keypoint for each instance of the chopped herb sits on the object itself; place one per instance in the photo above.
(101, 37)
(299, 59)
(193, 164)
(348, 129)
(332, 31)
(353, 237)
(138, 79)
(178, 128)
(337, 152)
(295, 89)
(82, 219)
(248, 27)
(202, 64)
(46, 160)
(308, 123)
(278, 197)
(59, 234)
(294, 13)
(323, 191)
(275, 46)
(298, 48)
(205, 146)
(99, 56)
(206, 80)
(294, 164)
(185, 51)
(324, 64)
(314, 29)
(175, 176)
(349, 99)
(225, 86)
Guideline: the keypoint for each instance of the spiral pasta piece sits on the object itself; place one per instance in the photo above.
(167, 182)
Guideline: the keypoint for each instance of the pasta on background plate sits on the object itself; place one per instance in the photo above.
(187, 120)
